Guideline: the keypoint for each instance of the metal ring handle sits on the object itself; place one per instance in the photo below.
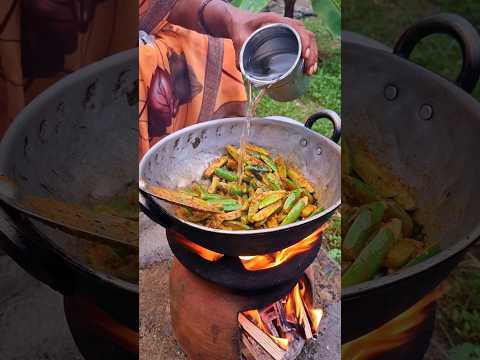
(330, 115)
(458, 28)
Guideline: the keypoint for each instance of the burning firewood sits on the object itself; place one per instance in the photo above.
(261, 338)
(281, 329)
(251, 350)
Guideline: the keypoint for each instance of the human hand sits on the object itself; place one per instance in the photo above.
(243, 24)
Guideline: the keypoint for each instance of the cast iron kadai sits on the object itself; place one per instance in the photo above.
(422, 126)
(180, 158)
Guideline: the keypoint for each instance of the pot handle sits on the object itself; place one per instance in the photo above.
(458, 28)
(147, 204)
(330, 115)
(17, 239)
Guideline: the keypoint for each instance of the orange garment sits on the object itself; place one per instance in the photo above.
(184, 77)
(112, 29)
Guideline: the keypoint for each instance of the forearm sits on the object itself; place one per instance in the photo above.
(218, 16)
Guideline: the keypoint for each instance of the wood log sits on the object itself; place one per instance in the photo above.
(253, 348)
(261, 338)
(250, 349)
(304, 321)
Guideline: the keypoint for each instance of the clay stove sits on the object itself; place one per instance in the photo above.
(247, 307)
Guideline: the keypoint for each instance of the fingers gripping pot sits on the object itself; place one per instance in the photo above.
(180, 158)
(272, 57)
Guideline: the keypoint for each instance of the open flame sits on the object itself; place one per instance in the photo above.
(393, 334)
(262, 262)
(297, 312)
(254, 316)
(300, 303)
(197, 249)
(259, 262)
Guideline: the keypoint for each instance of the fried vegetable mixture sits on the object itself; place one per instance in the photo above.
(270, 193)
(379, 233)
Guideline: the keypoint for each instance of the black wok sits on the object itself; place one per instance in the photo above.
(180, 158)
(426, 129)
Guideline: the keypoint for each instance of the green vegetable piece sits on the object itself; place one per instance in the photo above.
(198, 188)
(232, 206)
(295, 212)
(291, 185)
(363, 226)
(273, 181)
(318, 211)
(237, 225)
(207, 196)
(270, 199)
(358, 191)
(370, 259)
(395, 210)
(396, 226)
(255, 155)
(228, 204)
(226, 174)
(256, 168)
(291, 199)
(191, 193)
(426, 254)
(266, 212)
(236, 190)
(282, 168)
(232, 151)
(267, 160)
(378, 210)
(400, 254)
(358, 234)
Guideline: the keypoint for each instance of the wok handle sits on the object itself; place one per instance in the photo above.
(330, 115)
(458, 28)
(147, 204)
(21, 243)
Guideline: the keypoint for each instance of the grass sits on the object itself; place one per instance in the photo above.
(384, 20)
(460, 308)
(324, 92)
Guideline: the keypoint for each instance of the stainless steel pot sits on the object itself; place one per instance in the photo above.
(426, 130)
(180, 158)
(272, 58)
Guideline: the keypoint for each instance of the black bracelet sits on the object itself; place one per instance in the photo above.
(201, 16)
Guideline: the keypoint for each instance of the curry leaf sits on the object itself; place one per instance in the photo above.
(329, 12)
(251, 5)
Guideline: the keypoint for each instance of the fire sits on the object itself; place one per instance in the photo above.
(262, 262)
(393, 334)
(298, 313)
(259, 262)
(197, 249)
(255, 317)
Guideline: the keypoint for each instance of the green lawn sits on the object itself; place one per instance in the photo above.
(384, 20)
